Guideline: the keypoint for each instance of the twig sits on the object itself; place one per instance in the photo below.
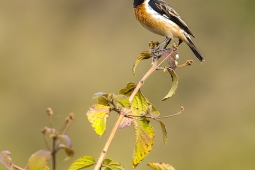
(153, 117)
(182, 109)
(188, 63)
(108, 142)
(17, 167)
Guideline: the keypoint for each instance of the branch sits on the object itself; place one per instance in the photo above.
(154, 66)
(17, 167)
(153, 117)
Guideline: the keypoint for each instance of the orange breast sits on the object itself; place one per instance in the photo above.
(149, 22)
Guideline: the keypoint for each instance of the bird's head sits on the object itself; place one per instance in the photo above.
(137, 2)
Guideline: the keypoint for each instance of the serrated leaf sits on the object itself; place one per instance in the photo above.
(164, 131)
(82, 162)
(127, 91)
(5, 158)
(142, 56)
(109, 164)
(139, 104)
(175, 80)
(39, 160)
(160, 166)
(97, 116)
(122, 99)
(144, 139)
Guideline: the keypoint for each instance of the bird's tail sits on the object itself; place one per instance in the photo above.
(194, 49)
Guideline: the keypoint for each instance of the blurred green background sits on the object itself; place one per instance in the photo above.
(59, 53)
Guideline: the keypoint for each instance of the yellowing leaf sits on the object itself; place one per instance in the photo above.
(175, 80)
(39, 160)
(139, 105)
(142, 56)
(5, 158)
(109, 164)
(97, 115)
(46, 168)
(82, 162)
(144, 139)
(160, 166)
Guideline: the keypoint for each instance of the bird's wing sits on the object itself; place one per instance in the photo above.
(167, 11)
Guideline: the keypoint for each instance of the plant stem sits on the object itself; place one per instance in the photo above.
(17, 167)
(53, 154)
(107, 144)
(122, 114)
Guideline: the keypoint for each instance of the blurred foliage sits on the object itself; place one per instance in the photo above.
(59, 53)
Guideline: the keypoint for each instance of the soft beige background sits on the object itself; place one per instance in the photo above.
(59, 53)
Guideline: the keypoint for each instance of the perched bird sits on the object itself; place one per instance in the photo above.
(160, 18)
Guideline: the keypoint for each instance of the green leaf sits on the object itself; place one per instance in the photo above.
(175, 80)
(39, 160)
(139, 104)
(103, 101)
(142, 56)
(102, 98)
(160, 166)
(122, 99)
(109, 164)
(5, 158)
(144, 139)
(97, 116)
(127, 91)
(164, 131)
(82, 162)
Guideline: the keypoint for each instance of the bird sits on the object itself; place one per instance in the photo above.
(160, 18)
